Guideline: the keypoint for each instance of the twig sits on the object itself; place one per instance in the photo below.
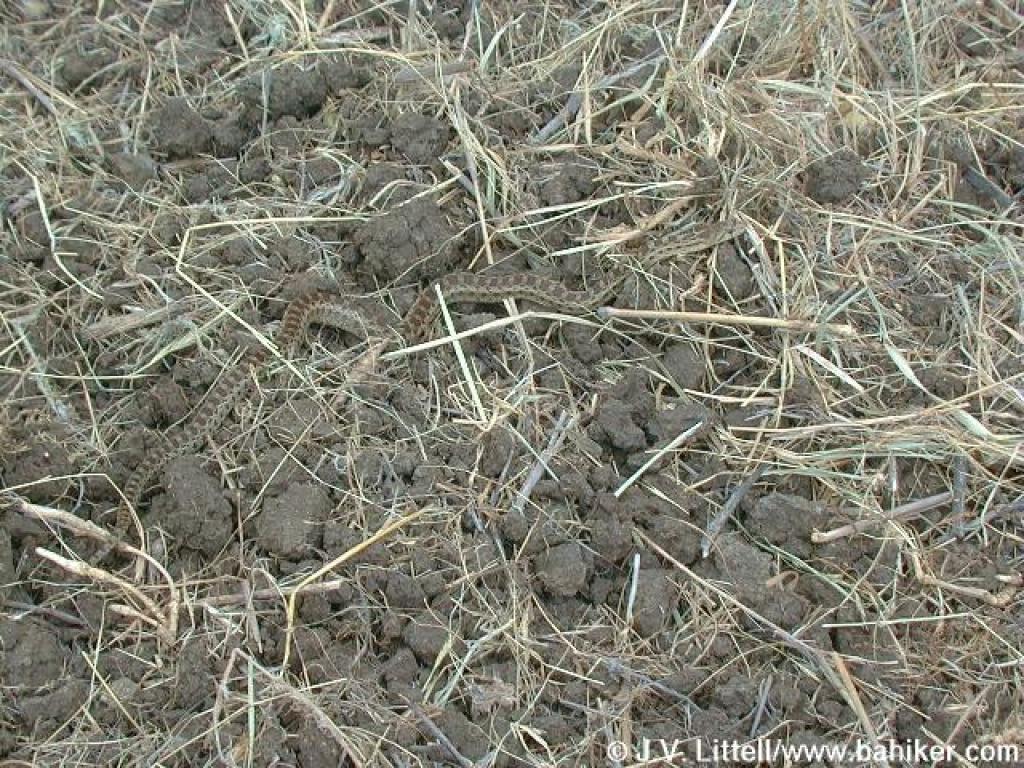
(166, 620)
(854, 700)
(431, 727)
(540, 466)
(683, 437)
(800, 326)
(362, 546)
(617, 668)
(44, 610)
(732, 503)
(10, 69)
(959, 500)
(911, 509)
(154, 615)
(575, 100)
(999, 600)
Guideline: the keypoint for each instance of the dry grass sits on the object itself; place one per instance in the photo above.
(891, 394)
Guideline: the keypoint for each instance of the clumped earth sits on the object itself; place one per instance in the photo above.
(567, 533)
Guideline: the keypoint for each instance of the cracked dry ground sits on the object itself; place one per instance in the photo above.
(562, 533)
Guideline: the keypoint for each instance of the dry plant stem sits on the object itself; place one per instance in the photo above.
(999, 600)
(814, 656)
(473, 649)
(43, 610)
(672, 445)
(155, 617)
(761, 708)
(77, 525)
(362, 546)
(325, 17)
(617, 668)
(356, 36)
(460, 355)
(186, 341)
(492, 325)
(901, 512)
(651, 222)
(10, 69)
(854, 700)
(558, 433)
(60, 407)
(715, 33)
(302, 700)
(100, 677)
(271, 593)
(55, 253)
(133, 616)
(634, 584)
(959, 501)
(575, 100)
(121, 324)
(753, 321)
(731, 505)
(167, 620)
(431, 728)
(969, 713)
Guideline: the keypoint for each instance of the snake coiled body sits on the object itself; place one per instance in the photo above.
(319, 308)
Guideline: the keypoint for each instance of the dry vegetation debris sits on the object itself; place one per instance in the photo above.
(773, 490)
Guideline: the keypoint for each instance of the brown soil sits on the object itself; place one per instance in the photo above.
(578, 532)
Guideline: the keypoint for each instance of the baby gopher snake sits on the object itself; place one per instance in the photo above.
(319, 308)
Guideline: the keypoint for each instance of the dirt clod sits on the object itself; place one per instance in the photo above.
(201, 517)
(134, 170)
(79, 66)
(615, 426)
(836, 178)
(684, 365)
(286, 90)
(733, 275)
(581, 524)
(179, 131)
(31, 655)
(562, 570)
(787, 520)
(420, 138)
(655, 601)
(426, 639)
(290, 524)
(412, 240)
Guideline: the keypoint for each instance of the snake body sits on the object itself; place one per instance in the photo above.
(319, 308)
